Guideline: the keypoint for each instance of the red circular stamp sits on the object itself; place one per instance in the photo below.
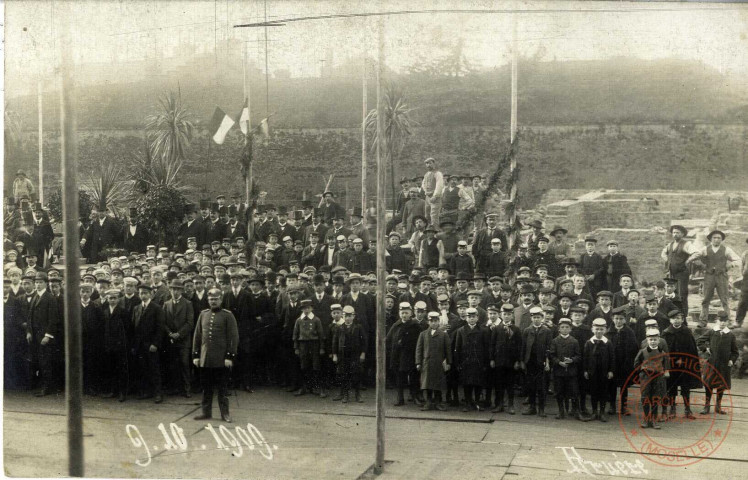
(699, 435)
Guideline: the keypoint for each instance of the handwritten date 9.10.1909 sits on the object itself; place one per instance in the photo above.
(236, 441)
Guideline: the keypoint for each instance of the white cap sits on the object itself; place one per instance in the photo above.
(420, 305)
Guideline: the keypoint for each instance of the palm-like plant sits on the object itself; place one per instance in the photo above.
(170, 130)
(107, 187)
(145, 172)
(397, 128)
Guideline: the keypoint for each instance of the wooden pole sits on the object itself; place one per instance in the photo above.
(513, 133)
(247, 137)
(249, 144)
(363, 138)
(41, 141)
(381, 272)
(73, 347)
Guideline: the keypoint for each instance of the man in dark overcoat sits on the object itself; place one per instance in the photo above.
(148, 333)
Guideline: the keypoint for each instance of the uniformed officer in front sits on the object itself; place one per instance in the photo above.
(214, 350)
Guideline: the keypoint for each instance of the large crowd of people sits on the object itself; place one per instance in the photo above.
(298, 310)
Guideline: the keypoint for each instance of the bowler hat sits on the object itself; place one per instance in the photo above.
(536, 224)
(557, 229)
(176, 283)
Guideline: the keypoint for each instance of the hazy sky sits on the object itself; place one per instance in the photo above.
(716, 35)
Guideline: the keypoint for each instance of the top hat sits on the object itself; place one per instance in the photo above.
(282, 210)
(204, 203)
(356, 212)
(233, 210)
(133, 211)
(298, 215)
(306, 204)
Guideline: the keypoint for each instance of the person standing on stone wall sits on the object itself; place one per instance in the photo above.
(675, 254)
(22, 186)
(433, 186)
(743, 304)
(715, 257)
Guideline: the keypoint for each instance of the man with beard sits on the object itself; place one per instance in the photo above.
(100, 235)
(675, 255)
(331, 210)
(137, 236)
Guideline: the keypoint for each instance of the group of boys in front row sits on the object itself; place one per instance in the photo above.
(580, 359)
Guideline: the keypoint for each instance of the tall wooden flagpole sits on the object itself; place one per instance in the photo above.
(248, 136)
(41, 141)
(73, 332)
(381, 272)
(363, 138)
(513, 133)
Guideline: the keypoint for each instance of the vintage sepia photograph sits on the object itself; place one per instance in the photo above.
(397, 239)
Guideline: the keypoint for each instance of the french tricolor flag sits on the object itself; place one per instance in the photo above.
(220, 125)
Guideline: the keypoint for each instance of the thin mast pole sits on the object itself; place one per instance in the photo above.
(381, 273)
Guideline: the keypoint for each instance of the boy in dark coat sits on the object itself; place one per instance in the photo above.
(625, 347)
(599, 360)
(471, 347)
(722, 350)
(591, 265)
(582, 333)
(565, 357)
(404, 341)
(461, 262)
(348, 353)
(92, 330)
(495, 263)
(536, 341)
(653, 365)
(308, 344)
(433, 360)
(682, 344)
(504, 351)
(453, 378)
(114, 361)
(615, 265)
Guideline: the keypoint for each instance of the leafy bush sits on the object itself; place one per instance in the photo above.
(161, 211)
(54, 204)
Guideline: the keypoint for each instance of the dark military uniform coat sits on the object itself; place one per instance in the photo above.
(216, 338)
